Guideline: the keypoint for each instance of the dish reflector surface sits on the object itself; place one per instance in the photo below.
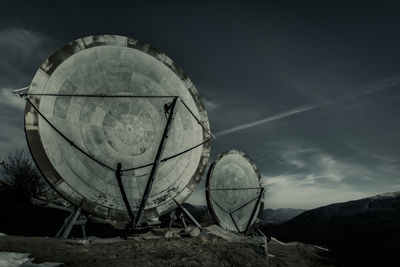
(106, 95)
(232, 190)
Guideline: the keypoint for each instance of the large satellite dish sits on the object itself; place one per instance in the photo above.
(103, 100)
(233, 191)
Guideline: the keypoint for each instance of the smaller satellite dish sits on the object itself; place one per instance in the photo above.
(233, 191)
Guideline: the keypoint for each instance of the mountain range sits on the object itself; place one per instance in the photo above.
(278, 216)
(362, 232)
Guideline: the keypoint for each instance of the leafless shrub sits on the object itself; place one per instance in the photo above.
(20, 176)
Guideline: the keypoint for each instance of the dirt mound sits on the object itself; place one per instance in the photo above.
(156, 250)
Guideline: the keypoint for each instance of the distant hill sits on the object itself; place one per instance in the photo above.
(277, 216)
(360, 232)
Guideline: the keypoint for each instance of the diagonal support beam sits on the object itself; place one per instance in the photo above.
(253, 214)
(234, 222)
(118, 175)
(170, 108)
(187, 213)
(69, 223)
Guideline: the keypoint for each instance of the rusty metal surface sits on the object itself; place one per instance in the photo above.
(232, 189)
(115, 129)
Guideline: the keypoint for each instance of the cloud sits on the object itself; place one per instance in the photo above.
(21, 53)
(374, 87)
(211, 105)
(266, 120)
(209, 98)
(314, 178)
(343, 148)
(298, 175)
(7, 98)
(291, 196)
(341, 104)
(365, 91)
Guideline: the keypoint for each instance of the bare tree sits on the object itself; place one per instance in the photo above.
(20, 175)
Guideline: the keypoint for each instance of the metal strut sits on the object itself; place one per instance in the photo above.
(153, 173)
(98, 161)
(190, 216)
(75, 218)
(66, 138)
(91, 95)
(234, 222)
(169, 110)
(118, 175)
(253, 214)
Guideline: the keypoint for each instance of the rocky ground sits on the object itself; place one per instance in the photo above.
(212, 247)
(27, 225)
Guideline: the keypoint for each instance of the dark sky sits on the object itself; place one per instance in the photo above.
(310, 90)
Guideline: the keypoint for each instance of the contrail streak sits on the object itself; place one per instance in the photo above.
(367, 90)
(266, 120)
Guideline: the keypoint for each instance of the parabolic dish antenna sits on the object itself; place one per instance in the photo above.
(103, 100)
(234, 195)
